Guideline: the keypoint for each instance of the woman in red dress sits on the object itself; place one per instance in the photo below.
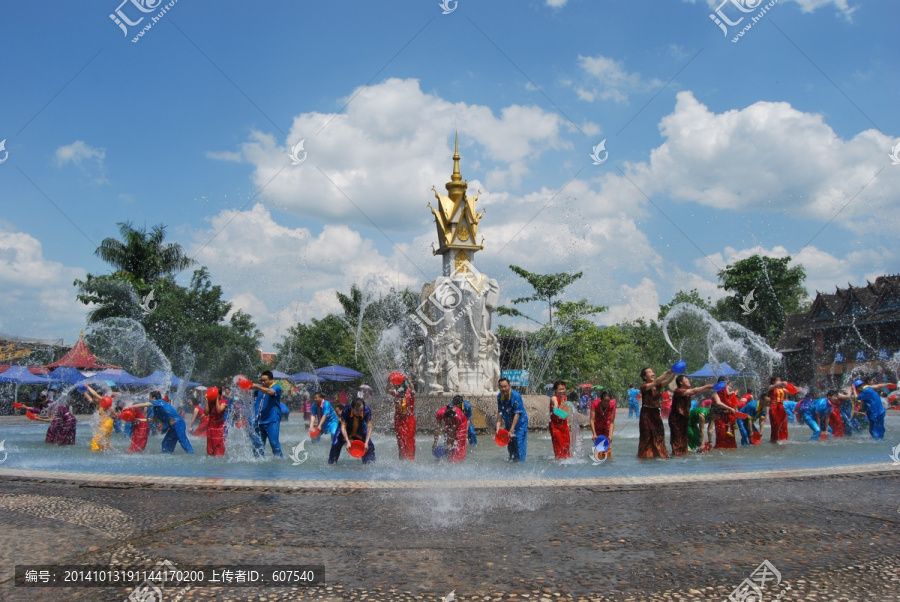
(140, 429)
(216, 406)
(405, 420)
(200, 416)
(777, 415)
(835, 420)
(603, 418)
(666, 408)
(725, 421)
(452, 423)
(559, 427)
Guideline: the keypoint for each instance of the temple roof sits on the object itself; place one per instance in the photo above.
(875, 303)
(80, 357)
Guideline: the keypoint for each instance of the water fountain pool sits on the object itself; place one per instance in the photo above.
(26, 451)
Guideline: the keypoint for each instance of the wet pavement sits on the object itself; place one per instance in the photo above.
(829, 537)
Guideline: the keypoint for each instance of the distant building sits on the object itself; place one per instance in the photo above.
(25, 350)
(853, 332)
(268, 358)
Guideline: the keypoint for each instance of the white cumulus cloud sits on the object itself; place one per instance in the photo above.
(36, 293)
(607, 79)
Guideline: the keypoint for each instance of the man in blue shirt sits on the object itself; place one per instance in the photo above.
(356, 424)
(633, 407)
(511, 414)
(266, 420)
(815, 413)
(584, 402)
(867, 392)
(789, 408)
(322, 414)
(467, 410)
(170, 418)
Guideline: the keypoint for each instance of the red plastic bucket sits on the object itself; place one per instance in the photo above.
(502, 437)
(357, 448)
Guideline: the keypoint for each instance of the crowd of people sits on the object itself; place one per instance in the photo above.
(728, 412)
(725, 416)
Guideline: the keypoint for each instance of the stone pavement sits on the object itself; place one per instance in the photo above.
(831, 537)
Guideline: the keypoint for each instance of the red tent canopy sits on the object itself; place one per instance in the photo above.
(80, 357)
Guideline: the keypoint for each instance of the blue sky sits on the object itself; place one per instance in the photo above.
(778, 143)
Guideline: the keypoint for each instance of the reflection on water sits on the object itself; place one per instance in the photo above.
(26, 450)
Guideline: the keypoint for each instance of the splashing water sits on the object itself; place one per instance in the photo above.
(700, 336)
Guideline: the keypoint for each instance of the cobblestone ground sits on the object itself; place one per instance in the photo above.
(831, 538)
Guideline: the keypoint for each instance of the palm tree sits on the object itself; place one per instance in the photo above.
(143, 254)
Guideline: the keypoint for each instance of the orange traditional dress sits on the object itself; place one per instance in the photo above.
(405, 423)
(777, 415)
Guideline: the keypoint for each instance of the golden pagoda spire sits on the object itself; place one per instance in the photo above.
(456, 177)
(456, 219)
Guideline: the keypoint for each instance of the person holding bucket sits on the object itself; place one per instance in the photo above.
(559, 426)
(102, 435)
(452, 423)
(176, 429)
(679, 417)
(322, 418)
(355, 433)
(216, 406)
(511, 415)
(652, 434)
(266, 419)
(140, 428)
(722, 414)
(404, 415)
(603, 419)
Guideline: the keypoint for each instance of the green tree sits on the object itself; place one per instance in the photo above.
(764, 292)
(192, 327)
(143, 254)
(693, 297)
(324, 342)
(546, 288)
(140, 258)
